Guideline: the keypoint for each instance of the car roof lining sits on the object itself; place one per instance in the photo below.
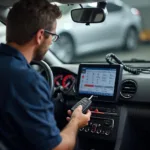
(8, 3)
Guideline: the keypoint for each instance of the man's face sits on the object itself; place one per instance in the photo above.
(41, 50)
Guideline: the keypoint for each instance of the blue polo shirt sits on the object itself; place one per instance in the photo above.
(26, 109)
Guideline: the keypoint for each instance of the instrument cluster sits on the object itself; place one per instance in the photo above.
(65, 82)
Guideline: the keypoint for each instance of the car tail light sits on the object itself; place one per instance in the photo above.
(135, 11)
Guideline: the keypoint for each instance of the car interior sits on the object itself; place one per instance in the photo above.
(120, 91)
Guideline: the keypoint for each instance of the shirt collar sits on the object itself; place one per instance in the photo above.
(8, 50)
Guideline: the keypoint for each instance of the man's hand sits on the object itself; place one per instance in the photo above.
(76, 120)
(77, 115)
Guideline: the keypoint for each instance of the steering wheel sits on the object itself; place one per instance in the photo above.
(59, 106)
(48, 73)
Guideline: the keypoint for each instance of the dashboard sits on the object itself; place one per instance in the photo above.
(113, 126)
(134, 88)
(119, 126)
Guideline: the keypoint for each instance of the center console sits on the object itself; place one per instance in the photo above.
(103, 123)
(103, 82)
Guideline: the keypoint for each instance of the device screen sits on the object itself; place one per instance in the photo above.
(97, 81)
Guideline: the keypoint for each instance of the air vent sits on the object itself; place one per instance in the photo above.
(128, 89)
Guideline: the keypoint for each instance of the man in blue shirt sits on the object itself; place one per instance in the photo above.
(26, 109)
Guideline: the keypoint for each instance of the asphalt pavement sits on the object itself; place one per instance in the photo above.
(142, 52)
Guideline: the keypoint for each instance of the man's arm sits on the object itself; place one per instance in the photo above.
(69, 134)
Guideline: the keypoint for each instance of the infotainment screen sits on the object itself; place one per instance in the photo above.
(101, 81)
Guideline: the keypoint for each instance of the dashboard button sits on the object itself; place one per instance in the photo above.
(107, 132)
(107, 122)
(94, 127)
(103, 132)
(87, 129)
(99, 125)
(81, 129)
(98, 131)
(96, 110)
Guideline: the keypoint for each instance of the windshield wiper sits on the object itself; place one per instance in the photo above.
(136, 60)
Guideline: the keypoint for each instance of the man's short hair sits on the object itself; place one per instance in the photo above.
(26, 17)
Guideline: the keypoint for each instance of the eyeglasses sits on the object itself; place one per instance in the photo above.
(55, 37)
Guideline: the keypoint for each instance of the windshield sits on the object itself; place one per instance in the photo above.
(125, 32)
(65, 10)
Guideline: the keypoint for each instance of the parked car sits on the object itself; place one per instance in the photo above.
(120, 30)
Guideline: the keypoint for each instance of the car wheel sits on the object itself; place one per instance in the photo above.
(131, 39)
(64, 48)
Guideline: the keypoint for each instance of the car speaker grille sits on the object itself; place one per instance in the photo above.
(128, 89)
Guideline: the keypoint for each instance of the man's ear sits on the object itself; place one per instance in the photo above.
(39, 36)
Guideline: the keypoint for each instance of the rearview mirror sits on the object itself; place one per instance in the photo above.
(88, 15)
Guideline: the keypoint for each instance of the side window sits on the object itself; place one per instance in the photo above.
(2, 33)
(113, 7)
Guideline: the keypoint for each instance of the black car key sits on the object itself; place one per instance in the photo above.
(85, 102)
